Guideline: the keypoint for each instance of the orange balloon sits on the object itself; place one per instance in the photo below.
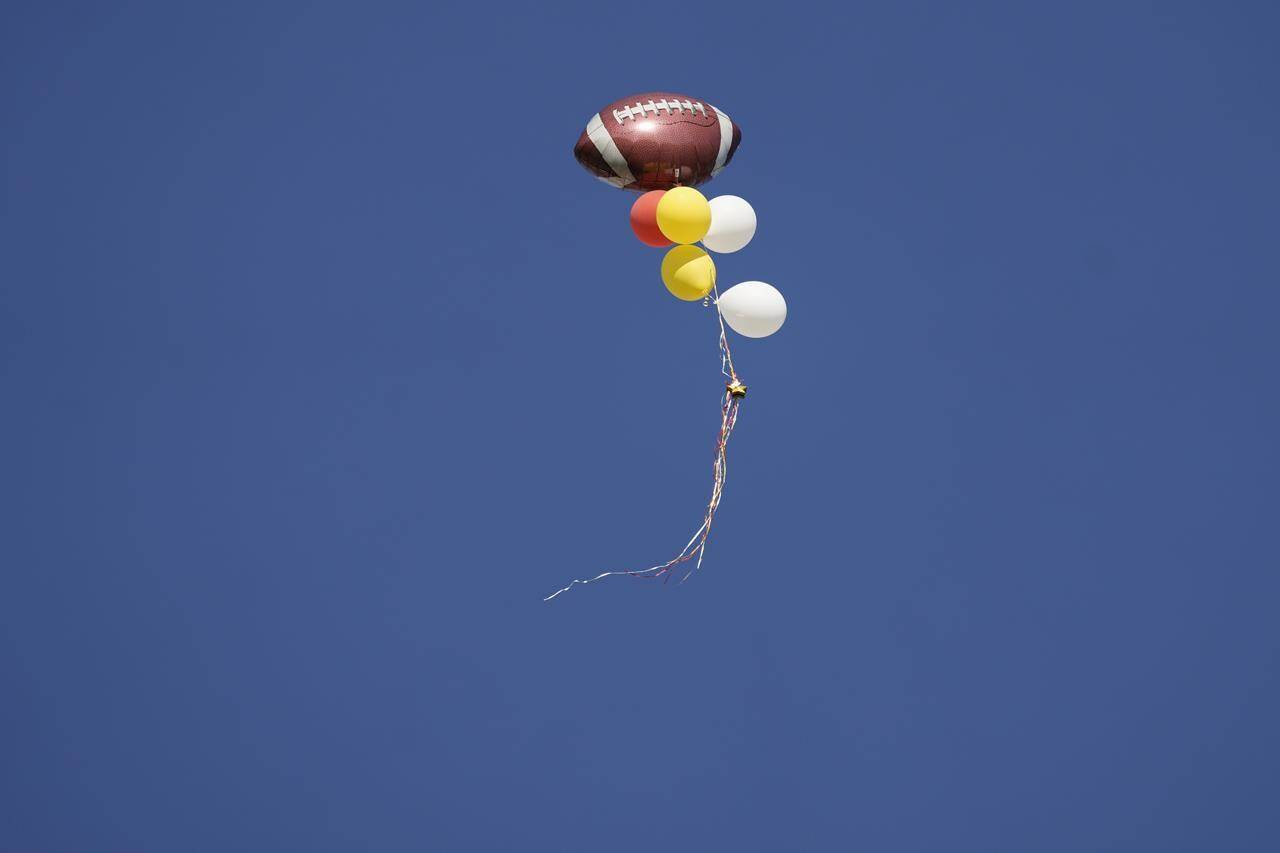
(644, 219)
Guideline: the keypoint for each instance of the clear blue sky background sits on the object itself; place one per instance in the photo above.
(321, 362)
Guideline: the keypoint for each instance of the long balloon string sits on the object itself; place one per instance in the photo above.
(697, 544)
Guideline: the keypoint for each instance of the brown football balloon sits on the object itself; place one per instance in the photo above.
(657, 141)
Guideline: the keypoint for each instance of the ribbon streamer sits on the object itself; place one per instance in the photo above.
(734, 393)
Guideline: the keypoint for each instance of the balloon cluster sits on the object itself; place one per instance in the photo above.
(619, 146)
(724, 224)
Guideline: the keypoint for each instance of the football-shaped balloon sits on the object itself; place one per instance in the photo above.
(657, 141)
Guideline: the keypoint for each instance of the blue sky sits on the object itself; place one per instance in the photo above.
(322, 362)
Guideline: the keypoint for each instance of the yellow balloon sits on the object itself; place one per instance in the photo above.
(688, 272)
(684, 215)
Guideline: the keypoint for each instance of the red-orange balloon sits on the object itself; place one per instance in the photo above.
(644, 219)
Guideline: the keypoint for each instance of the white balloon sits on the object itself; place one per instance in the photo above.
(733, 224)
(753, 309)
